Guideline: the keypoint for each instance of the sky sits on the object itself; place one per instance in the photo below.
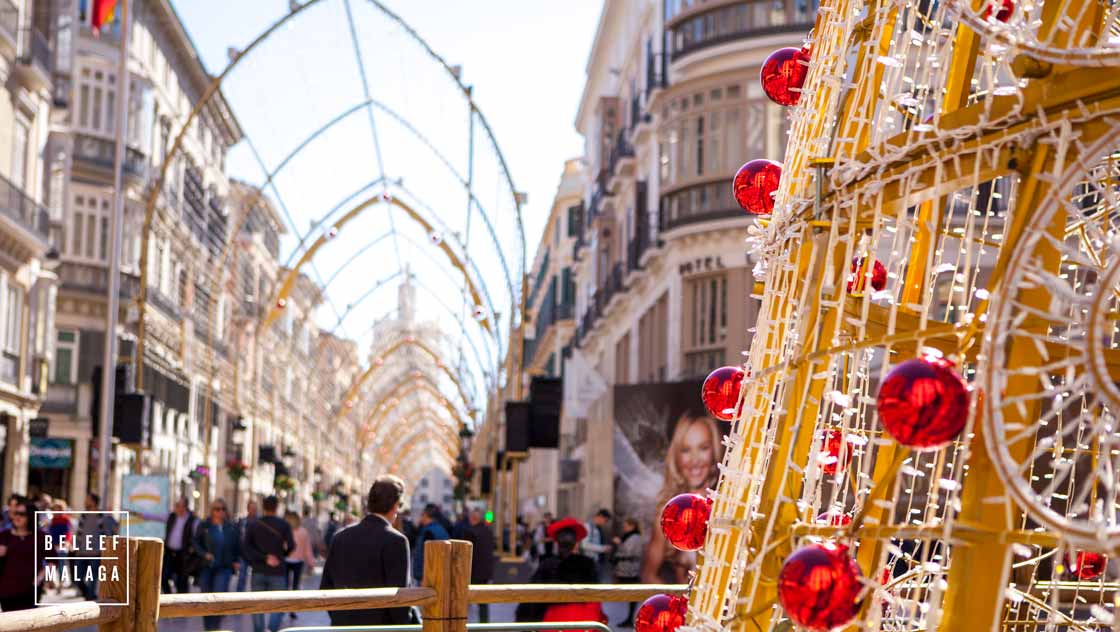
(525, 60)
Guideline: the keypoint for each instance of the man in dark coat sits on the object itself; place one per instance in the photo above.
(268, 541)
(178, 548)
(481, 536)
(371, 554)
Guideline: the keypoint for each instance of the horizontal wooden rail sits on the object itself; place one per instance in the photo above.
(56, 618)
(198, 604)
(567, 593)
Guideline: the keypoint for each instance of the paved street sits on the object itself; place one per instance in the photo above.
(243, 623)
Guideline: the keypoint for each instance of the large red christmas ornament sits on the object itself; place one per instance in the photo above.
(923, 403)
(783, 74)
(857, 280)
(661, 613)
(819, 586)
(1088, 565)
(721, 392)
(832, 444)
(684, 521)
(835, 518)
(754, 186)
(1005, 9)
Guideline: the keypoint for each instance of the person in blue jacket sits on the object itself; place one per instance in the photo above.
(431, 528)
(219, 542)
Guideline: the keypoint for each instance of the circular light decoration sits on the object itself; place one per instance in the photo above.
(479, 312)
(783, 74)
(832, 444)
(661, 613)
(282, 303)
(923, 403)
(819, 586)
(721, 392)
(755, 184)
(1003, 14)
(1086, 565)
(857, 279)
(684, 521)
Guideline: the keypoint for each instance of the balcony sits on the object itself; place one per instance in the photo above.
(698, 203)
(98, 153)
(621, 161)
(84, 277)
(36, 51)
(702, 28)
(636, 248)
(164, 303)
(16, 204)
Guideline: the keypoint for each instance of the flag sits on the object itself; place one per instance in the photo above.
(104, 12)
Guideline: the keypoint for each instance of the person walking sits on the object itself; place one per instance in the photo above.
(311, 523)
(219, 543)
(20, 575)
(372, 554)
(179, 557)
(628, 562)
(598, 545)
(301, 556)
(268, 541)
(330, 531)
(243, 525)
(543, 546)
(59, 529)
(91, 525)
(431, 528)
(479, 534)
(568, 566)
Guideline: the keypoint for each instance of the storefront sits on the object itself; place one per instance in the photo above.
(50, 466)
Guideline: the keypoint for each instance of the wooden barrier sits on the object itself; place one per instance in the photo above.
(443, 599)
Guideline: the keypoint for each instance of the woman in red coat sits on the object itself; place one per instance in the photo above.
(566, 567)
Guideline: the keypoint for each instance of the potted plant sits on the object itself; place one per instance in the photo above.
(284, 484)
(237, 469)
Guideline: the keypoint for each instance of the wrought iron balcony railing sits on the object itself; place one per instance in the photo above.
(17, 204)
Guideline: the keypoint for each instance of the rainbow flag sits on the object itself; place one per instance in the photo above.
(104, 12)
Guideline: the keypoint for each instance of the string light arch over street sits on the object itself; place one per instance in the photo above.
(486, 262)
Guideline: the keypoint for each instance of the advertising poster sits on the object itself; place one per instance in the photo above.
(147, 501)
(664, 444)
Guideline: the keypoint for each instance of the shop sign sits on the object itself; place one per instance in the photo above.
(51, 454)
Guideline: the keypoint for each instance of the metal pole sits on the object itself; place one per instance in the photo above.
(116, 222)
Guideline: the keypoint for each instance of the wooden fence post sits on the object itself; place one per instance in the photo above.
(139, 566)
(447, 570)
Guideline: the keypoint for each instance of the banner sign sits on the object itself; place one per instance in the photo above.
(146, 498)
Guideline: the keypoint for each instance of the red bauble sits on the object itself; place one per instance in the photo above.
(721, 392)
(832, 444)
(684, 521)
(819, 586)
(783, 75)
(1089, 565)
(857, 280)
(661, 613)
(1006, 8)
(755, 184)
(835, 518)
(923, 403)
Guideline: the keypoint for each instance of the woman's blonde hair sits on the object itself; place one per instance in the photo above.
(674, 482)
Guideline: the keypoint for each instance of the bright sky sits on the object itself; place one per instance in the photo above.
(525, 59)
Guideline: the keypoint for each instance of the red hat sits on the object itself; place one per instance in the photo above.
(567, 523)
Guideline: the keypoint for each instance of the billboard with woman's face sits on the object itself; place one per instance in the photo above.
(664, 444)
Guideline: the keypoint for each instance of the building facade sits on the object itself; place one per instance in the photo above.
(672, 107)
(28, 265)
(552, 324)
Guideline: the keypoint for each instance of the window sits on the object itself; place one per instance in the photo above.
(11, 323)
(705, 307)
(19, 153)
(90, 232)
(65, 357)
(97, 93)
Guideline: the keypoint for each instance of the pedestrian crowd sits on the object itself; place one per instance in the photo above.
(266, 549)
